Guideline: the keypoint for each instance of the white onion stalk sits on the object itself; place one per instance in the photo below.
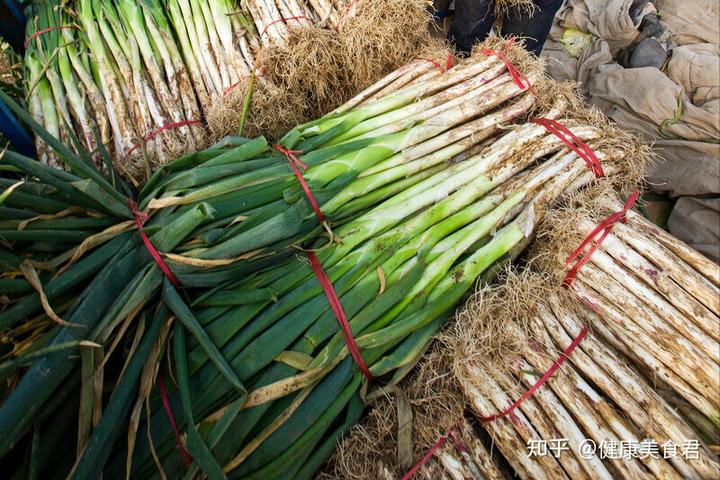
(602, 365)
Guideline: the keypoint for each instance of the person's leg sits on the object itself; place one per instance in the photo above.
(534, 27)
(471, 23)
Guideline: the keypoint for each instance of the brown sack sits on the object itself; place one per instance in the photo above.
(608, 19)
(646, 94)
(696, 21)
(697, 222)
(685, 168)
(697, 68)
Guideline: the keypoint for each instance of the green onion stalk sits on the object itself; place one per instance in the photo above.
(399, 271)
(272, 16)
(110, 82)
(39, 59)
(44, 219)
(217, 42)
(114, 67)
(220, 214)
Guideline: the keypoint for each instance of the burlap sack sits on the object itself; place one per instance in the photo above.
(685, 168)
(607, 19)
(697, 69)
(696, 221)
(647, 100)
(696, 21)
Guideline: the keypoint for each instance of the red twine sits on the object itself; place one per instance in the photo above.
(258, 73)
(573, 143)
(564, 356)
(605, 227)
(516, 75)
(46, 30)
(169, 126)
(449, 63)
(296, 165)
(340, 314)
(285, 20)
(428, 455)
(187, 460)
(140, 219)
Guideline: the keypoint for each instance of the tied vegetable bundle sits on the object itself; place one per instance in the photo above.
(143, 78)
(111, 73)
(485, 386)
(595, 393)
(219, 214)
(654, 299)
(398, 271)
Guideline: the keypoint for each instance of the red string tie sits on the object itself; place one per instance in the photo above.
(187, 460)
(337, 309)
(604, 229)
(429, 454)
(296, 165)
(564, 356)
(140, 219)
(169, 126)
(573, 143)
(449, 63)
(283, 20)
(516, 75)
(47, 30)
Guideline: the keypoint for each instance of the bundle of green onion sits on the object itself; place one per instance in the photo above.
(141, 76)
(399, 271)
(420, 197)
(224, 212)
(273, 18)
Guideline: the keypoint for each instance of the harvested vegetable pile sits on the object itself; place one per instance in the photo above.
(144, 78)
(596, 394)
(655, 299)
(471, 393)
(421, 191)
(627, 354)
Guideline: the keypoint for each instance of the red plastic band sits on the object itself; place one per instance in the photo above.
(296, 165)
(564, 356)
(187, 459)
(605, 227)
(573, 143)
(337, 309)
(516, 75)
(283, 20)
(46, 30)
(428, 455)
(169, 126)
(449, 63)
(140, 219)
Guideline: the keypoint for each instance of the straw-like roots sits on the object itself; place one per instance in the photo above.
(503, 7)
(558, 235)
(272, 111)
(327, 67)
(370, 450)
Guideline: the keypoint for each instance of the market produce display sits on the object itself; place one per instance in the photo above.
(595, 394)
(233, 209)
(249, 226)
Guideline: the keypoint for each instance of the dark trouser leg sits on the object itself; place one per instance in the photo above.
(534, 29)
(471, 23)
